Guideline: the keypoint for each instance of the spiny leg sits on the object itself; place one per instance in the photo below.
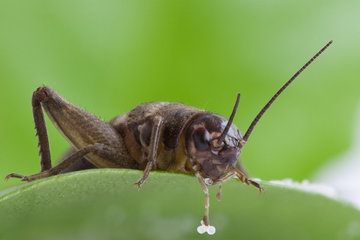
(80, 128)
(98, 149)
(44, 151)
(153, 146)
(39, 96)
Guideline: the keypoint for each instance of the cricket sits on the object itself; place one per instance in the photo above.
(163, 136)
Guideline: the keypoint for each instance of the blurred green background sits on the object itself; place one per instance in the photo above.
(108, 56)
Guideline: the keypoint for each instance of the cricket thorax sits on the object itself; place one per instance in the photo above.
(136, 128)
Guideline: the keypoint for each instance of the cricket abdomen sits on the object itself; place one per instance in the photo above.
(136, 127)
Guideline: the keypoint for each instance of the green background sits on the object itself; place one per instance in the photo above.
(109, 56)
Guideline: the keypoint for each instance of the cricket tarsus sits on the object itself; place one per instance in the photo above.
(255, 184)
(266, 107)
(98, 149)
(15, 175)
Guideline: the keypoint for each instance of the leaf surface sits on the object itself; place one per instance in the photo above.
(103, 204)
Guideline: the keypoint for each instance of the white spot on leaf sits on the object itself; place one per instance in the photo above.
(206, 229)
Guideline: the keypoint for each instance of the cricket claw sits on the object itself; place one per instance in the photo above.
(257, 185)
(15, 175)
(138, 185)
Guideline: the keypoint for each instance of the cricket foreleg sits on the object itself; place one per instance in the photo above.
(205, 222)
(221, 181)
(207, 199)
(97, 149)
(244, 178)
(153, 146)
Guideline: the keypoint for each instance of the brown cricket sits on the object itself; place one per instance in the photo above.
(153, 136)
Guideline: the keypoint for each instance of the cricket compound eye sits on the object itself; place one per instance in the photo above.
(201, 139)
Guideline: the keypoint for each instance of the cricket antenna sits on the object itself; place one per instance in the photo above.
(227, 127)
(263, 110)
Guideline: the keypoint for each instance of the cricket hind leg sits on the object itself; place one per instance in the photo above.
(44, 151)
(43, 142)
(85, 131)
(81, 164)
(98, 149)
(41, 95)
(78, 165)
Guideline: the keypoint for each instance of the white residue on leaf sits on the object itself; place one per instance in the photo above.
(305, 185)
(206, 229)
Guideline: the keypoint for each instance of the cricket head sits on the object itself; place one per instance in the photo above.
(214, 145)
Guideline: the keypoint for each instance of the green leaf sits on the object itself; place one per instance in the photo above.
(103, 204)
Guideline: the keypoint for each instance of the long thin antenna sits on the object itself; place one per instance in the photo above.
(263, 110)
(227, 127)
